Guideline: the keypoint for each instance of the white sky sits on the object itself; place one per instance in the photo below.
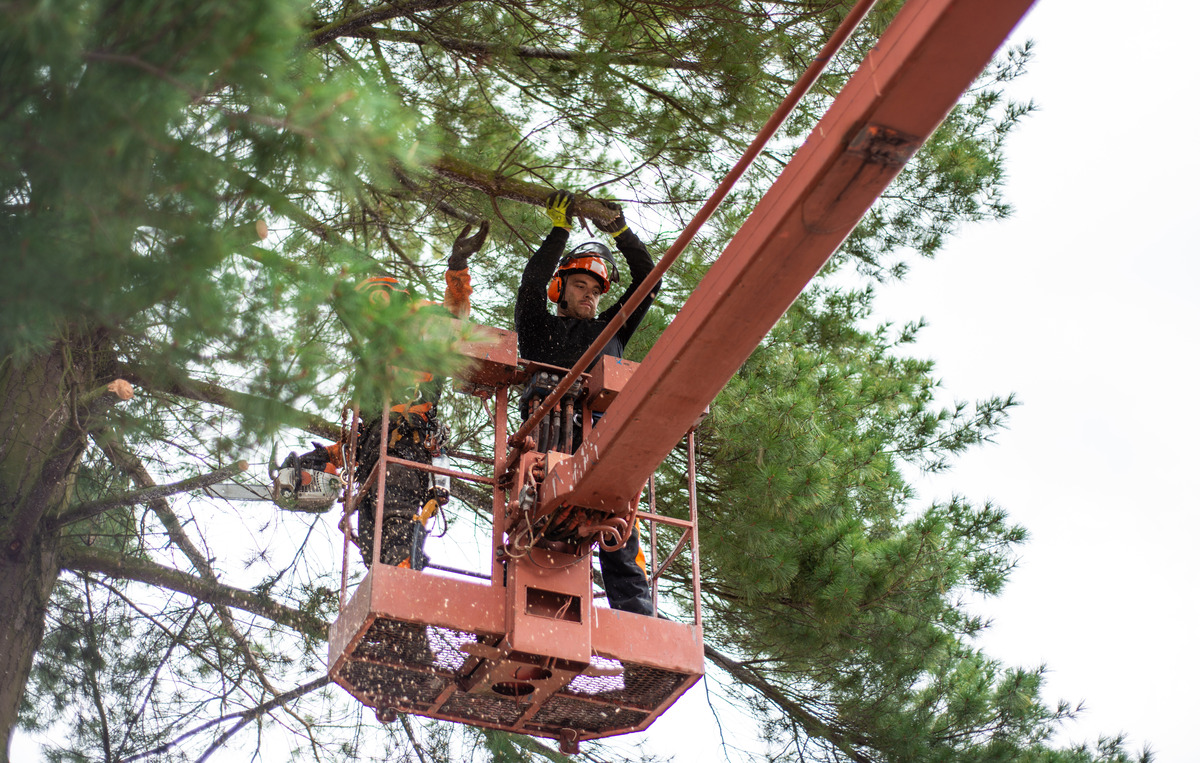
(1084, 304)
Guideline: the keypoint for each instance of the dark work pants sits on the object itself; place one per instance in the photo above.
(624, 580)
(403, 496)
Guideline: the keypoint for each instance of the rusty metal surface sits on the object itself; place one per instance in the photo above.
(492, 358)
(510, 656)
(447, 602)
(587, 718)
(638, 687)
(608, 378)
(391, 686)
(678, 647)
(550, 605)
(929, 55)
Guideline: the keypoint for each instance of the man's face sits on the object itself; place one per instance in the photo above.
(581, 297)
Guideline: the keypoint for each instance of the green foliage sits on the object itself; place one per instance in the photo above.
(139, 152)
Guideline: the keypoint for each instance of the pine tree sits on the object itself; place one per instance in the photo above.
(189, 192)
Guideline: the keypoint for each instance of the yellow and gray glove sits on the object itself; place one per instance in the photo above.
(617, 225)
(560, 208)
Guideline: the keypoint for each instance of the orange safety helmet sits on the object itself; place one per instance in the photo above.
(587, 258)
(379, 289)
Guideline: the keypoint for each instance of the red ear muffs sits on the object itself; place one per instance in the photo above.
(555, 290)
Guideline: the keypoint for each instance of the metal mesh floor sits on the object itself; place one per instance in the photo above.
(415, 668)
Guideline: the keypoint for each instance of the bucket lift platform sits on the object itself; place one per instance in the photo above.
(411, 642)
(527, 650)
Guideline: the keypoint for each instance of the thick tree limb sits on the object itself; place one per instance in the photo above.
(382, 12)
(146, 494)
(129, 463)
(812, 725)
(449, 167)
(207, 392)
(83, 559)
(132, 465)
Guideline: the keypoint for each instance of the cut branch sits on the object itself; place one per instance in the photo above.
(84, 412)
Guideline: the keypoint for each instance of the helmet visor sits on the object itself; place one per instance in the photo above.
(592, 257)
(590, 248)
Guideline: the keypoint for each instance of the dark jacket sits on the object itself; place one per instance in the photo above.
(543, 336)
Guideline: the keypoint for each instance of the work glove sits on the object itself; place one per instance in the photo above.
(560, 208)
(465, 246)
(617, 226)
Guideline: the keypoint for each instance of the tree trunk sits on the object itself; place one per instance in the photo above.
(41, 407)
(25, 586)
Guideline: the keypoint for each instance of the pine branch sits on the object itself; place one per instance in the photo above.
(131, 465)
(530, 744)
(480, 48)
(83, 559)
(813, 726)
(257, 712)
(175, 637)
(447, 166)
(438, 203)
(479, 499)
(90, 672)
(244, 717)
(95, 508)
(282, 204)
(412, 738)
(176, 641)
(239, 178)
